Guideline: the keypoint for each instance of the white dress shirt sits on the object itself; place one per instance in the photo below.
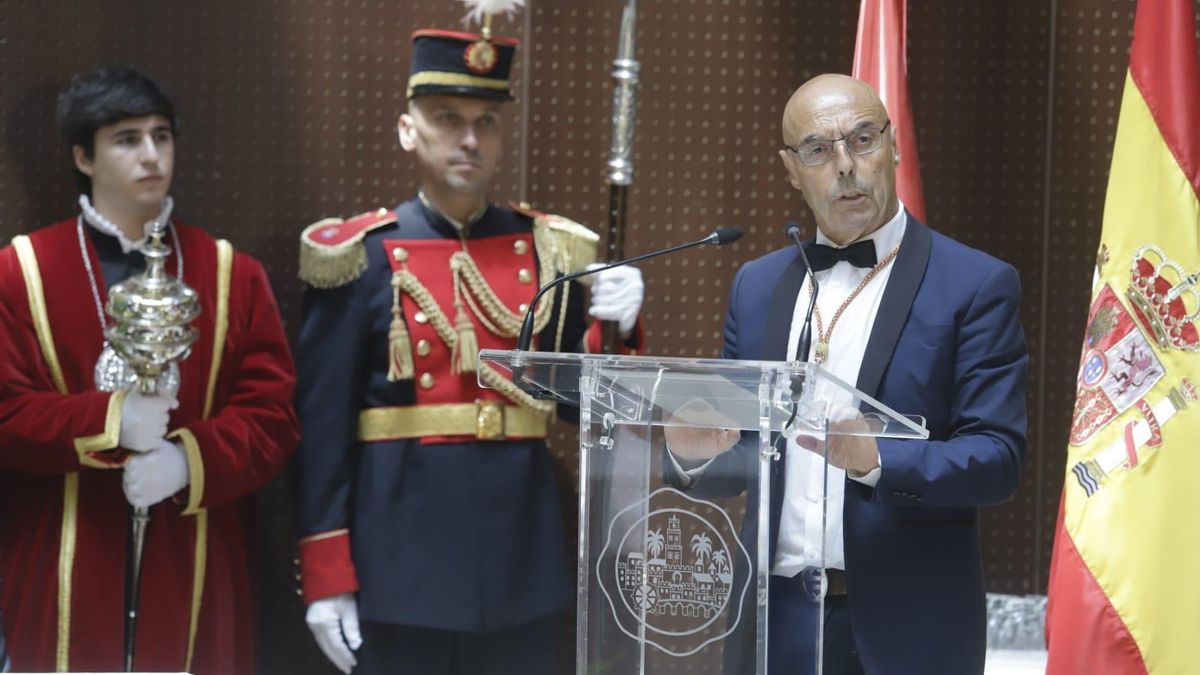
(800, 524)
(804, 482)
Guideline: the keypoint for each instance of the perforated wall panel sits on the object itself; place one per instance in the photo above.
(289, 107)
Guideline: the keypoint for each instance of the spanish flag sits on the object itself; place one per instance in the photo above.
(881, 60)
(1125, 574)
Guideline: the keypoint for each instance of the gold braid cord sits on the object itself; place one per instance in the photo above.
(562, 247)
(408, 283)
(488, 307)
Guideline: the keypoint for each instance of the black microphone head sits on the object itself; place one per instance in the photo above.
(728, 235)
(792, 229)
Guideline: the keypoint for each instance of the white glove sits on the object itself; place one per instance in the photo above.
(330, 619)
(151, 477)
(617, 296)
(144, 420)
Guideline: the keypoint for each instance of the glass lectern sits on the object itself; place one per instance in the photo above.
(674, 555)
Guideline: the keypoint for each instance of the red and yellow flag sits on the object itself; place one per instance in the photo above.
(880, 59)
(1125, 575)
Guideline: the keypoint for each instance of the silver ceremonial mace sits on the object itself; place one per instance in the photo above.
(625, 73)
(151, 331)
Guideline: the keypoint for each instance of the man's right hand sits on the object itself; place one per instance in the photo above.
(334, 624)
(144, 420)
(696, 433)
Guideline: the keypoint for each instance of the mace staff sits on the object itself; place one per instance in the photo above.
(625, 72)
(150, 332)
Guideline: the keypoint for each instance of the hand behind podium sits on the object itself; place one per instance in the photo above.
(696, 432)
(849, 444)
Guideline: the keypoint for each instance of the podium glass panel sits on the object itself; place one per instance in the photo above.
(674, 566)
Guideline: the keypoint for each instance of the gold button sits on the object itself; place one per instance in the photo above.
(426, 381)
(526, 205)
(400, 254)
(420, 317)
(381, 212)
(523, 307)
(520, 247)
(423, 348)
(524, 276)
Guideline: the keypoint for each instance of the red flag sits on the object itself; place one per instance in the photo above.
(880, 60)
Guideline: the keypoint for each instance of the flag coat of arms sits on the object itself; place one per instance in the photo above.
(1125, 574)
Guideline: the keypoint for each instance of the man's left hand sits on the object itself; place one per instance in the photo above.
(152, 476)
(847, 446)
(617, 296)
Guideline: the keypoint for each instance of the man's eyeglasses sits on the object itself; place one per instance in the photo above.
(860, 142)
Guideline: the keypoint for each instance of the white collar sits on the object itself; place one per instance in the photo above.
(106, 226)
(886, 238)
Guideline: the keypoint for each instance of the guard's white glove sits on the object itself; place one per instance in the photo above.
(144, 420)
(617, 296)
(334, 624)
(152, 476)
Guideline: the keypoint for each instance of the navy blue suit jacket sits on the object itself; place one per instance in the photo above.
(946, 344)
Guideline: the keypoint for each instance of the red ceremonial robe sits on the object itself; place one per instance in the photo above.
(63, 515)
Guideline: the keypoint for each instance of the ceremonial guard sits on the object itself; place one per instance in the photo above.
(427, 504)
(78, 447)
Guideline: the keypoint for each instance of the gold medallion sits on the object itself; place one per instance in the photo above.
(480, 57)
(821, 352)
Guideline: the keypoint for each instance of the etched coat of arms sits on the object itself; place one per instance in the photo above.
(671, 572)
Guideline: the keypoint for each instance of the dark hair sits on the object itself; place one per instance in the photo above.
(104, 97)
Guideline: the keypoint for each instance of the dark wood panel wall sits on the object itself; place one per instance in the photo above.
(288, 112)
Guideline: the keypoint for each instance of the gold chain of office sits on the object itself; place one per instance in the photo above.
(821, 352)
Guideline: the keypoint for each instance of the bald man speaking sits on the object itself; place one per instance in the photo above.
(922, 323)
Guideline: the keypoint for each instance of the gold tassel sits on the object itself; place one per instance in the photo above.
(465, 356)
(400, 358)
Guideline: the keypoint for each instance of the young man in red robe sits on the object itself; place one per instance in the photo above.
(74, 457)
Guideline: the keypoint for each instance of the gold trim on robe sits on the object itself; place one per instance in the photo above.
(105, 440)
(27, 258)
(192, 447)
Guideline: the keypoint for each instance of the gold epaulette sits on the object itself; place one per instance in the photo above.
(332, 252)
(572, 246)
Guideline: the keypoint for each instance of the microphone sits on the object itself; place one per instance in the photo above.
(723, 235)
(805, 343)
(792, 230)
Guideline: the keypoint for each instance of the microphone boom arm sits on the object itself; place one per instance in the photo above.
(525, 338)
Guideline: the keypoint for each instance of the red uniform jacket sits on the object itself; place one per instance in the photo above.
(63, 516)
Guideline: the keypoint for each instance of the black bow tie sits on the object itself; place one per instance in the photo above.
(859, 254)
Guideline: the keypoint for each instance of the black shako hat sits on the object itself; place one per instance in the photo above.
(461, 64)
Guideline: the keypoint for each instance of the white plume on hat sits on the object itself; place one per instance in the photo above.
(481, 8)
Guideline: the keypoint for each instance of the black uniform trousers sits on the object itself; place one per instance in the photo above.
(529, 649)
